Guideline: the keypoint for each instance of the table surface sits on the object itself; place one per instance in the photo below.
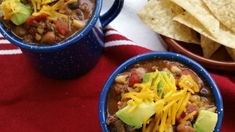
(134, 29)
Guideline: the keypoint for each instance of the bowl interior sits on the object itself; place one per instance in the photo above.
(168, 56)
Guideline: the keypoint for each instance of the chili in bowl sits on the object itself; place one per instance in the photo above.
(48, 21)
(61, 38)
(160, 91)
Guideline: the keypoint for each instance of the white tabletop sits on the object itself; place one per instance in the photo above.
(129, 24)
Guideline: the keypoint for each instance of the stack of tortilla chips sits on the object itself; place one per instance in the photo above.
(183, 20)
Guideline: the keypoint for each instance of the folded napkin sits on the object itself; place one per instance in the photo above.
(31, 102)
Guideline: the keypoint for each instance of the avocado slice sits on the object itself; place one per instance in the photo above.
(205, 121)
(22, 15)
(138, 116)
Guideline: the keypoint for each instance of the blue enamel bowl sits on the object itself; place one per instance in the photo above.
(166, 56)
(74, 56)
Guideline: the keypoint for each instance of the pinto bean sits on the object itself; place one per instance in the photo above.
(191, 107)
(78, 24)
(204, 92)
(49, 38)
(176, 70)
(80, 14)
(111, 119)
(140, 71)
(38, 36)
(119, 88)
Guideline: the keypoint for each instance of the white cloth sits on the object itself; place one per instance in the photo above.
(129, 24)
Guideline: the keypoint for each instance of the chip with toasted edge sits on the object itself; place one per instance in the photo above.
(158, 15)
(198, 10)
(225, 37)
(224, 11)
(231, 52)
(208, 46)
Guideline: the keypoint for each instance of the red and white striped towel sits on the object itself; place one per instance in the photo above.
(6, 48)
(31, 102)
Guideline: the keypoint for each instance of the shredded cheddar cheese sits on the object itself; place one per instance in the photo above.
(167, 107)
(38, 4)
(9, 7)
(183, 105)
(170, 106)
(173, 113)
(52, 11)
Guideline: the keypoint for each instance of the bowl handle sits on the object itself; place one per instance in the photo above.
(112, 13)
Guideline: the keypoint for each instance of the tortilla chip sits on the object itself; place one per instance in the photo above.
(198, 10)
(208, 46)
(224, 11)
(158, 15)
(231, 52)
(225, 37)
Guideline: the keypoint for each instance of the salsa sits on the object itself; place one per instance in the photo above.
(161, 96)
(46, 21)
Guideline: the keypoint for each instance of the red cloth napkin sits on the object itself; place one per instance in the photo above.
(31, 102)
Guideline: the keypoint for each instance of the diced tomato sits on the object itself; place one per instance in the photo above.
(62, 27)
(31, 19)
(134, 78)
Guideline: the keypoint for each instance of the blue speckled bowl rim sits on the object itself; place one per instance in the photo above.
(50, 48)
(169, 56)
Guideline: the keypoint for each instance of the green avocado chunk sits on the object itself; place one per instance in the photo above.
(22, 15)
(206, 121)
(138, 116)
